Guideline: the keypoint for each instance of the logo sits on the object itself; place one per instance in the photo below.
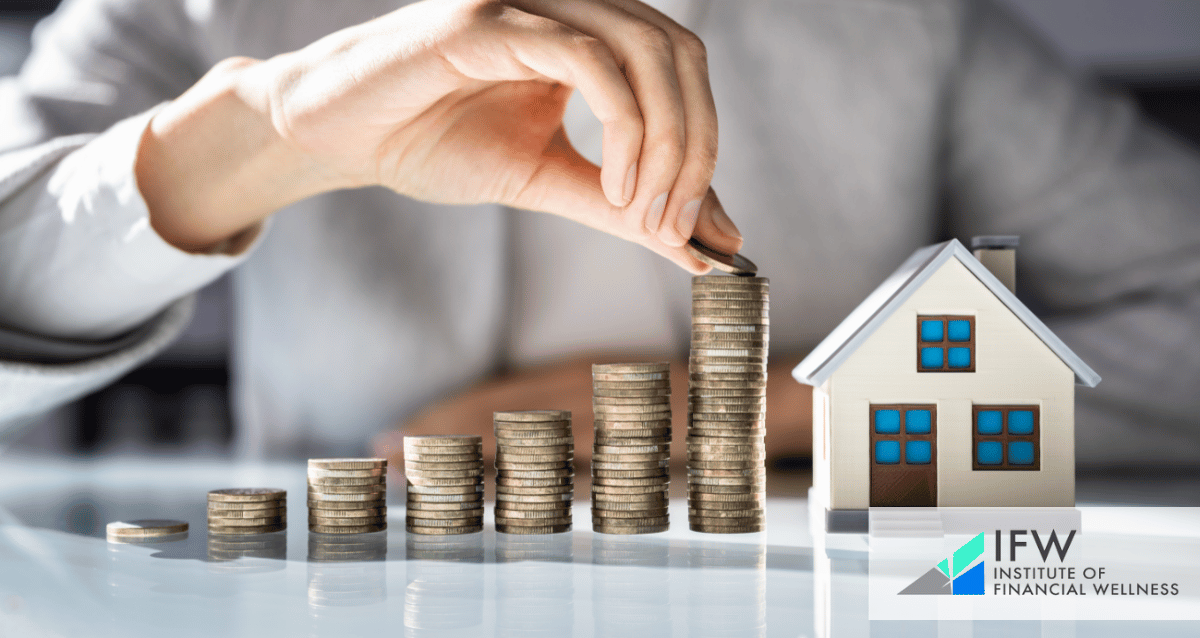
(955, 575)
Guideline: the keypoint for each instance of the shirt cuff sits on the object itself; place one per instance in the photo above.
(84, 262)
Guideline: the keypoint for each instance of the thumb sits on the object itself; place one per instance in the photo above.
(566, 184)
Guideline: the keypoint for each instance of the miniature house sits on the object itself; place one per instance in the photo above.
(940, 390)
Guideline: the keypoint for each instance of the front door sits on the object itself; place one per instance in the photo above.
(903, 455)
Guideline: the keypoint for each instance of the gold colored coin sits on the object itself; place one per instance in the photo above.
(247, 494)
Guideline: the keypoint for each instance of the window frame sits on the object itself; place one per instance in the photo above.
(903, 436)
(945, 344)
(1004, 438)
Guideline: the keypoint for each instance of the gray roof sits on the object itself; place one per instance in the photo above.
(829, 355)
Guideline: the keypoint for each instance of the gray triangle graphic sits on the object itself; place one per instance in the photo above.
(933, 583)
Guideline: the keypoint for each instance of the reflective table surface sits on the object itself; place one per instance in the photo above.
(59, 576)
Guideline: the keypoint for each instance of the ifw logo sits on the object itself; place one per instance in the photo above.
(955, 575)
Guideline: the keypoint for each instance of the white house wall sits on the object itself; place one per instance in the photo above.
(1013, 366)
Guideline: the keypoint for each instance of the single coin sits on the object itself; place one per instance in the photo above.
(622, 439)
(237, 529)
(627, 530)
(457, 477)
(523, 506)
(700, 514)
(702, 505)
(346, 505)
(146, 528)
(631, 465)
(314, 473)
(728, 521)
(474, 464)
(727, 361)
(444, 482)
(235, 506)
(630, 458)
(421, 457)
(347, 529)
(411, 448)
(648, 384)
(733, 264)
(630, 474)
(357, 513)
(533, 441)
(617, 417)
(533, 415)
(727, 405)
(532, 522)
(347, 489)
(444, 515)
(747, 330)
(705, 280)
(623, 368)
(628, 515)
(732, 448)
(711, 529)
(623, 377)
(658, 402)
(631, 522)
(536, 474)
(445, 531)
(724, 384)
(475, 487)
(538, 490)
(528, 466)
(751, 312)
(535, 498)
(730, 304)
(704, 497)
(627, 502)
(528, 450)
(719, 443)
(694, 489)
(625, 393)
(729, 295)
(443, 507)
(347, 464)
(339, 482)
(627, 481)
(628, 490)
(745, 417)
(247, 494)
(753, 481)
(618, 427)
(248, 522)
(755, 369)
(631, 408)
(748, 430)
(505, 436)
(436, 522)
(530, 514)
(360, 498)
(526, 482)
(708, 464)
(218, 514)
(546, 529)
(442, 440)
(346, 521)
(600, 450)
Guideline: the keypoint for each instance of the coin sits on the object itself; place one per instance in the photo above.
(630, 474)
(441, 466)
(277, 511)
(526, 482)
(664, 448)
(722, 280)
(437, 522)
(631, 522)
(622, 529)
(347, 464)
(445, 531)
(638, 457)
(246, 506)
(413, 449)
(532, 522)
(533, 415)
(516, 513)
(347, 529)
(657, 366)
(369, 497)
(247, 494)
(663, 401)
(630, 376)
(355, 513)
(421, 457)
(374, 480)
(558, 506)
(535, 498)
(631, 393)
(533, 465)
(545, 529)
(629, 490)
(533, 437)
(717, 529)
(229, 529)
(532, 442)
(631, 465)
(755, 501)
(444, 515)
(441, 490)
(629, 501)
(145, 528)
(733, 264)
(345, 521)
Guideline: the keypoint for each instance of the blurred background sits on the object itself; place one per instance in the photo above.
(179, 403)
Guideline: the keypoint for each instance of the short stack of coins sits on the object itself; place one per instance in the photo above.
(727, 404)
(631, 456)
(347, 496)
(247, 510)
(445, 484)
(535, 471)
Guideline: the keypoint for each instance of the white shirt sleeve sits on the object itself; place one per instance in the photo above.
(78, 257)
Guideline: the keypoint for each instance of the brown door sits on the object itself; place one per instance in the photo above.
(903, 455)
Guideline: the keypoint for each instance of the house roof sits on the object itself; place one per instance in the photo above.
(831, 353)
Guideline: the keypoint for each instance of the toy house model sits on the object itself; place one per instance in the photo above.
(942, 389)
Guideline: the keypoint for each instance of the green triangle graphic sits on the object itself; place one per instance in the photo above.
(965, 555)
(945, 566)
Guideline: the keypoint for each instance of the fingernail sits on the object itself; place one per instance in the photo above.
(630, 184)
(654, 216)
(687, 218)
(724, 224)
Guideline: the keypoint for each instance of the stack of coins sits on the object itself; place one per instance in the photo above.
(727, 404)
(535, 471)
(445, 484)
(631, 457)
(247, 510)
(347, 496)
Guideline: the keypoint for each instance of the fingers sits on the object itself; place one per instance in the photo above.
(568, 185)
(668, 72)
(714, 228)
(548, 49)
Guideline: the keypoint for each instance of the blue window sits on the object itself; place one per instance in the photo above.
(917, 452)
(946, 343)
(1006, 437)
(931, 357)
(887, 452)
(916, 421)
(989, 421)
(960, 330)
(1020, 422)
(1020, 453)
(887, 421)
(989, 452)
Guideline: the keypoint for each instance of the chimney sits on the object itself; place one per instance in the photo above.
(998, 253)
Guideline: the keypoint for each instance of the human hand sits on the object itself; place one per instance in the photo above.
(462, 102)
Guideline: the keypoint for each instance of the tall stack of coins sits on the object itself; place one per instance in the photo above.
(727, 404)
(632, 453)
(445, 484)
(347, 496)
(247, 510)
(535, 471)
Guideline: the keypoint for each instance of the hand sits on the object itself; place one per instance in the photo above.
(462, 102)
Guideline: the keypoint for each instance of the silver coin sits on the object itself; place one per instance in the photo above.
(347, 464)
(631, 458)
(315, 473)
(240, 506)
(758, 501)
(419, 457)
(443, 440)
(371, 497)
(741, 462)
(538, 530)
(533, 442)
(475, 487)
(631, 481)
(444, 514)
(702, 280)
(532, 505)
(533, 466)
(535, 498)
(733, 264)
(657, 401)
(602, 450)
(630, 490)
(145, 528)
(247, 494)
(643, 529)
(629, 474)
(630, 376)
(220, 514)
(624, 393)
(657, 366)
(715, 294)
(262, 529)
(445, 531)
(532, 522)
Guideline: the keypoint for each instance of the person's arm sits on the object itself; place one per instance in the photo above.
(1108, 210)
(568, 386)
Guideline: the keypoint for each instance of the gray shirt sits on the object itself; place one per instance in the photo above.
(851, 132)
